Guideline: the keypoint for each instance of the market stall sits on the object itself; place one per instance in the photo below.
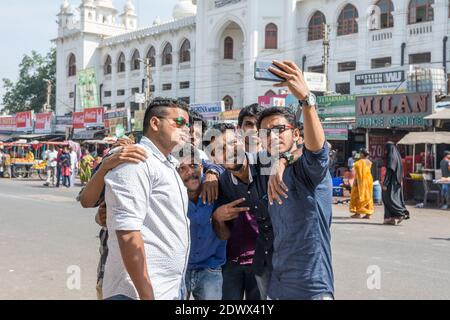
(420, 183)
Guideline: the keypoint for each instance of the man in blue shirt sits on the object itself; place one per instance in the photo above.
(302, 266)
(208, 253)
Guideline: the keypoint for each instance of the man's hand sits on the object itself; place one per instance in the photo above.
(295, 80)
(100, 217)
(210, 188)
(127, 154)
(229, 211)
(277, 188)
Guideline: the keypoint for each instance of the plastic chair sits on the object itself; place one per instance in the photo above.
(427, 186)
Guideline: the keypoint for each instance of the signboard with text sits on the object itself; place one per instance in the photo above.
(93, 117)
(117, 118)
(385, 80)
(393, 111)
(266, 101)
(7, 124)
(210, 111)
(336, 106)
(78, 122)
(24, 121)
(43, 122)
(62, 123)
(336, 131)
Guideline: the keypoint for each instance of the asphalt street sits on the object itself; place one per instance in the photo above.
(49, 249)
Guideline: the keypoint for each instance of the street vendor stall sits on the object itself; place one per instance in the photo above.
(421, 181)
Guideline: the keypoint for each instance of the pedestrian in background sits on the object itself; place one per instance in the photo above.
(361, 202)
(51, 156)
(394, 204)
(73, 166)
(86, 164)
(65, 167)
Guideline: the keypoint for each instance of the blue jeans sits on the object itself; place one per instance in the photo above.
(239, 280)
(446, 193)
(204, 284)
(263, 283)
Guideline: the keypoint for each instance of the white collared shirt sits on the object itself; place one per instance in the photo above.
(152, 198)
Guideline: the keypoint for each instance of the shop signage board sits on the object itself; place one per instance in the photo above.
(24, 121)
(87, 88)
(93, 117)
(336, 131)
(7, 124)
(210, 111)
(377, 81)
(393, 111)
(336, 106)
(43, 122)
(78, 122)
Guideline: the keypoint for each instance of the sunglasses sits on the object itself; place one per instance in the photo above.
(180, 122)
(277, 129)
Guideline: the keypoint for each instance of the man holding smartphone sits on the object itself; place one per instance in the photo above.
(302, 262)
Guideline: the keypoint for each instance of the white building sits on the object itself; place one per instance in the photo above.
(207, 52)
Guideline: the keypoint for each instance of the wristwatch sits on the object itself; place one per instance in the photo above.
(288, 157)
(309, 101)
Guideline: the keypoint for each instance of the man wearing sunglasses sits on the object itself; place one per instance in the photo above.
(147, 206)
(302, 267)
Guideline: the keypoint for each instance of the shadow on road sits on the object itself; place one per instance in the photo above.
(444, 239)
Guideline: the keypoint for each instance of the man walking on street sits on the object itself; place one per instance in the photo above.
(51, 156)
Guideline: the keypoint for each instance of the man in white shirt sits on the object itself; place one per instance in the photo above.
(73, 166)
(51, 155)
(147, 205)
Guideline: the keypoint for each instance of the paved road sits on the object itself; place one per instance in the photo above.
(44, 231)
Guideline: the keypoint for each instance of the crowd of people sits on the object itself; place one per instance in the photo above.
(217, 213)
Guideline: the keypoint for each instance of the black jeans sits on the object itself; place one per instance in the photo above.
(239, 280)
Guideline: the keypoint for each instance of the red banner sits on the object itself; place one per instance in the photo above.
(93, 117)
(43, 123)
(78, 121)
(24, 121)
(8, 123)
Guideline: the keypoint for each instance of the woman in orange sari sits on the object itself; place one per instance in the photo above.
(361, 202)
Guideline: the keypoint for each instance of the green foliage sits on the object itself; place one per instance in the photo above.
(30, 90)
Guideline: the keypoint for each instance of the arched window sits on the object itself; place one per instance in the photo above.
(135, 61)
(386, 17)
(107, 68)
(228, 48)
(420, 11)
(121, 63)
(316, 26)
(347, 23)
(72, 68)
(270, 93)
(271, 36)
(167, 55)
(185, 51)
(151, 54)
(228, 102)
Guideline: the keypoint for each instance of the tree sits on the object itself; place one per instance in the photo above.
(30, 90)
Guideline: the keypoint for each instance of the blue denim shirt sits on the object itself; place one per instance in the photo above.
(302, 267)
(207, 251)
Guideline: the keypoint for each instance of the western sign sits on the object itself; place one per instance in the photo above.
(393, 111)
(386, 80)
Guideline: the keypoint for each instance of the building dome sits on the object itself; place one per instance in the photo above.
(183, 9)
(157, 21)
(129, 6)
(65, 6)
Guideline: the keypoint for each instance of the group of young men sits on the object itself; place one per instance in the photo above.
(229, 214)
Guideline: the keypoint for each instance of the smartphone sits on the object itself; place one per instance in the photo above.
(263, 73)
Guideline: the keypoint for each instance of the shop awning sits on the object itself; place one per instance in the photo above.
(444, 114)
(412, 138)
(5, 137)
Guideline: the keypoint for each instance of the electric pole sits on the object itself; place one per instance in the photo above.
(149, 80)
(326, 53)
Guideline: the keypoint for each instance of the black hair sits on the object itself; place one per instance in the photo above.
(221, 127)
(279, 111)
(252, 110)
(446, 153)
(188, 150)
(158, 107)
(194, 117)
(364, 152)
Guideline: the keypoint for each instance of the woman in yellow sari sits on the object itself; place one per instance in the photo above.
(86, 167)
(361, 202)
